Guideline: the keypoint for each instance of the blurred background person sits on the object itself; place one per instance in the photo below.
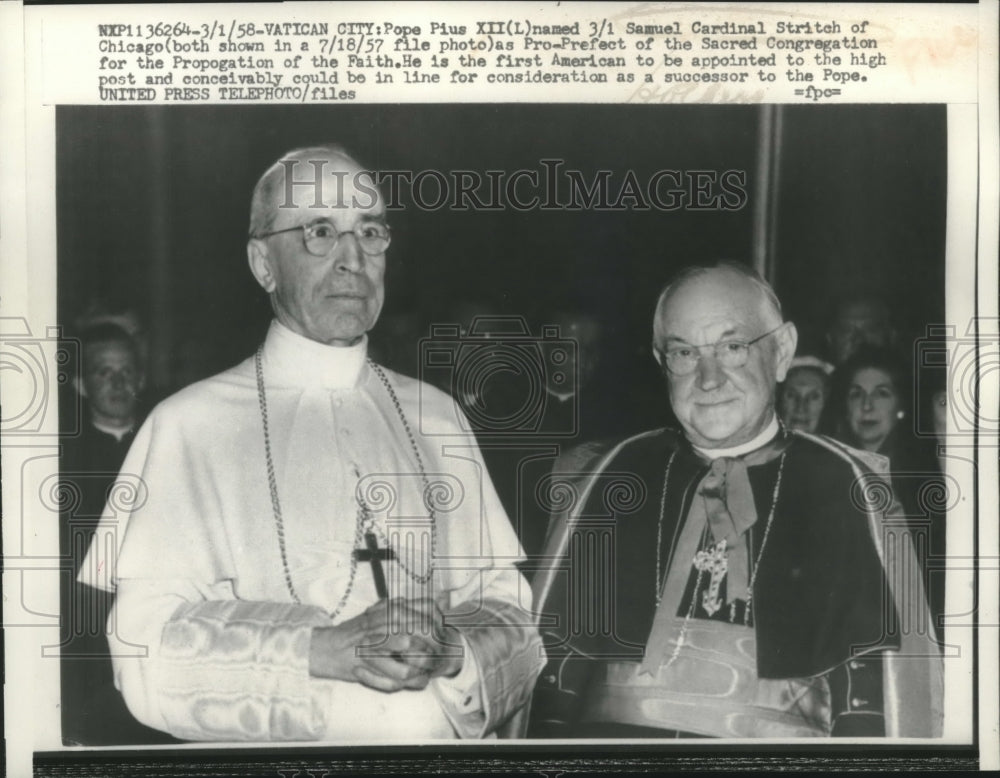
(860, 320)
(873, 391)
(572, 401)
(466, 330)
(576, 408)
(520, 384)
(803, 396)
(872, 387)
(110, 384)
(611, 400)
(584, 398)
(97, 313)
(120, 312)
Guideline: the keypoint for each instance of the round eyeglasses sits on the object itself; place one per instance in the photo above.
(731, 354)
(320, 237)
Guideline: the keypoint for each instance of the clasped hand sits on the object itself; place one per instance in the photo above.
(395, 644)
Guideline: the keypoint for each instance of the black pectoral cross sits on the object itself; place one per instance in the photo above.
(375, 555)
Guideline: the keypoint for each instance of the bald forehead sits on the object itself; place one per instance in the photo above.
(322, 180)
(328, 159)
(718, 293)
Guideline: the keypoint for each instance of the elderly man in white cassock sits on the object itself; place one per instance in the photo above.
(315, 551)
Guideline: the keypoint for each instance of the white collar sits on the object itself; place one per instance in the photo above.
(766, 436)
(560, 396)
(116, 432)
(291, 359)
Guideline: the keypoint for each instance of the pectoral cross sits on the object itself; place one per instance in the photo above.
(715, 561)
(375, 555)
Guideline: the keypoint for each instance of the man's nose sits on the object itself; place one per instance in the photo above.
(866, 402)
(710, 373)
(348, 254)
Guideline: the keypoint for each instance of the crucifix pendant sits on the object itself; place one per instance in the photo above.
(715, 562)
(375, 555)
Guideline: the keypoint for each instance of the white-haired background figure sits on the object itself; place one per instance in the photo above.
(804, 394)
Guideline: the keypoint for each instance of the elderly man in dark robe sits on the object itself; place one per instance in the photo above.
(733, 579)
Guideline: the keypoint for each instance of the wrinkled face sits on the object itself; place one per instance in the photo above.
(858, 324)
(872, 407)
(802, 398)
(720, 407)
(336, 298)
(111, 381)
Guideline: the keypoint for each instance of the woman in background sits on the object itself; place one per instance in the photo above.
(873, 393)
(803, 396)
(873, 387)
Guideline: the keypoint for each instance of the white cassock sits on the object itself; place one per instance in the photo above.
(195, 557)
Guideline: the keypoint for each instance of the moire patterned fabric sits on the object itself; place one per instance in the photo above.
(224, 699)
(209, 641)
(837, 581)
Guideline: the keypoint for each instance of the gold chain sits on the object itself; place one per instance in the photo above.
(425, 577)
(697, 583)
(658, 583)
(364, 517)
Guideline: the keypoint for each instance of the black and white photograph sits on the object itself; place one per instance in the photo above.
(436, 436)
(517, 274)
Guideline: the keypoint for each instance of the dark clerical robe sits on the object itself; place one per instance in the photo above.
(803, 621)
(93, 712)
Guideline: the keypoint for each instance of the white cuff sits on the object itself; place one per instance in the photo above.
(460, 696)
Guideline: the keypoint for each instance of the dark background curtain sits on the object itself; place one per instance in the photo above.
(153, 211)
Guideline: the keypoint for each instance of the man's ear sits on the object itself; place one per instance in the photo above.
(786, 339)
(260, 264)
(78, 385)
